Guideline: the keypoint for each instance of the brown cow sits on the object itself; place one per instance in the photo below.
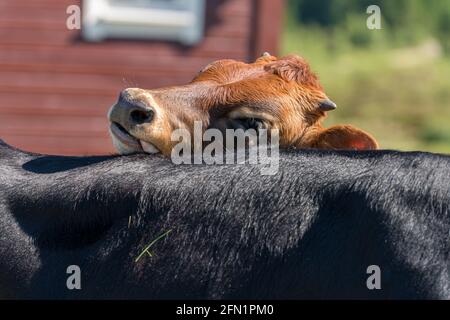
(270, 93)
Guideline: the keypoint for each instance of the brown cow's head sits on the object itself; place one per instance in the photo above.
(271, 93)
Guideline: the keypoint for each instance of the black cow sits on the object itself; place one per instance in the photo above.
(311, 231)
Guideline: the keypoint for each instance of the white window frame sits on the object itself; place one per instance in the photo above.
(102, 21)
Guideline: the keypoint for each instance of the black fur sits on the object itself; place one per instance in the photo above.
(308, 232)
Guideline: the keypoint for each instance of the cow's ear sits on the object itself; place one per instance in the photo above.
(293, 68)
(344, 137)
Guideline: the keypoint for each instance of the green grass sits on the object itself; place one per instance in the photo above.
(400, 95)
(147, 248)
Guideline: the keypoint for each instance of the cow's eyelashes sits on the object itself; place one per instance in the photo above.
(238, 123)
(249, 123)
(254, 123)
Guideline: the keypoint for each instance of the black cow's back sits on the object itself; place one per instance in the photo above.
(309, 231)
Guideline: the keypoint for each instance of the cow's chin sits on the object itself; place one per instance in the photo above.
(127, 144)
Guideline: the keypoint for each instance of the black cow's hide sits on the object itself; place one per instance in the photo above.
(309, 231)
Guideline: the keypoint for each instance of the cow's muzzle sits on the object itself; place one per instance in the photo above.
(129, 117)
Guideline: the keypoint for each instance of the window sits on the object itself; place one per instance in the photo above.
(176, 20)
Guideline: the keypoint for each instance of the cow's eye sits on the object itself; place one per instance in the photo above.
(238, 123)
(246, 123)
(254, 123)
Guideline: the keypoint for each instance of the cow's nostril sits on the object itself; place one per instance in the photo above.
(141, 116)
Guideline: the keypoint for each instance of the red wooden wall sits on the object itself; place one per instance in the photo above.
(55, 89)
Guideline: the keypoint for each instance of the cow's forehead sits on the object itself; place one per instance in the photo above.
(292, 69)
(228, 70)
(236, 64)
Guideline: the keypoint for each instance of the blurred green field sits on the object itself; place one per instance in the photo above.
(398, 92)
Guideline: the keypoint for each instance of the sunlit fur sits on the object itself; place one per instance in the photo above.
(308, 232)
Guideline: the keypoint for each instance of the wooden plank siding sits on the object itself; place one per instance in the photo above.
(55, 89)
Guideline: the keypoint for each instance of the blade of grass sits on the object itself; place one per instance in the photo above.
(151, 244)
